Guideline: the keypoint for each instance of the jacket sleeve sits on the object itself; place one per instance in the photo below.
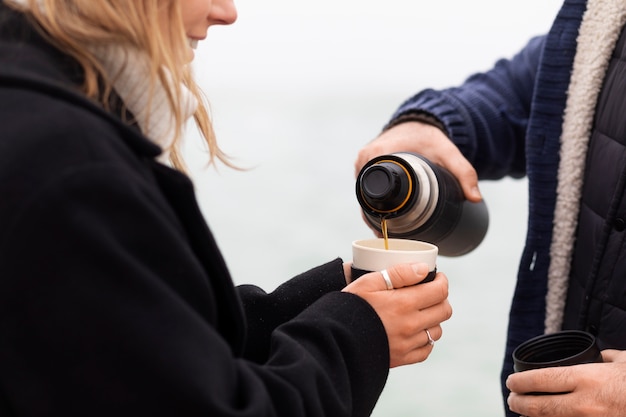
(105, 311)
(264, 312)
(486, 116)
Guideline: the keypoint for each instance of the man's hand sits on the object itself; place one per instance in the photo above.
(428, 141)
(597, 389)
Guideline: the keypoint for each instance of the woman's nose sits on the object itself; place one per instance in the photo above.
(223, 12)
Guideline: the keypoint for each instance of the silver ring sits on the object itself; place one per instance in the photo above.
(388, 282)
(431, 341)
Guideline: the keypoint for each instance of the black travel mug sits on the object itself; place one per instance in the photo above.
(567, 347)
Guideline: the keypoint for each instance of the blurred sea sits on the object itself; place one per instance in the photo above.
(295, 103)
(297, 209)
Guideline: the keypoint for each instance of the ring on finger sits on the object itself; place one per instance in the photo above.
(388, 282)
(431, 341)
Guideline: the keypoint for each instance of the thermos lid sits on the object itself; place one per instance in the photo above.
(385, 186)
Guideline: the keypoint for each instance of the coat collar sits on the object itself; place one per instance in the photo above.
(599, 31)
(30, 62)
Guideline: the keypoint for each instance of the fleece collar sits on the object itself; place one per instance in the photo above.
(599, 31)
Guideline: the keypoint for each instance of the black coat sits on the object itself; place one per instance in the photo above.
(114, 298)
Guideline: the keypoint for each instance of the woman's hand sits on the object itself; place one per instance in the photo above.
(408, 310)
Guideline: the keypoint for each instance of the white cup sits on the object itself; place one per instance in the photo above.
(370, 255)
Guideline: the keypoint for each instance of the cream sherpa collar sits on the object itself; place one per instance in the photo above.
(599, 31)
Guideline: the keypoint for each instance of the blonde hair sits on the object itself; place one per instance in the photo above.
(71, 24)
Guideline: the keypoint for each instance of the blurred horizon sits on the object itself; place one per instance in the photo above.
(296, 89)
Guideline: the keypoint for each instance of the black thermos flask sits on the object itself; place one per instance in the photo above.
(422, 201)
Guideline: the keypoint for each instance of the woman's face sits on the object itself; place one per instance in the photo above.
(199, 15)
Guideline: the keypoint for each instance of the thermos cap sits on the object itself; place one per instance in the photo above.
(385, 186)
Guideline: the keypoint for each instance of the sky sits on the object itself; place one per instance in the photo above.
(291, 79)
(353, 44)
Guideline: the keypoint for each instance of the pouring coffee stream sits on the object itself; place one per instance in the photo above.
(383, 227)
(404, 195)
